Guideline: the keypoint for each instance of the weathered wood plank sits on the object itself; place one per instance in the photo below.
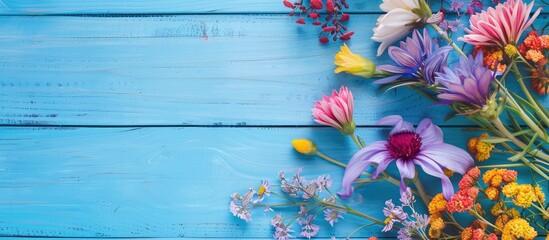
(14, 7)
(182, 70)
(162, 182)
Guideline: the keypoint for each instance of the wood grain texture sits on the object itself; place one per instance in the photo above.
(48, 7)
(183, 70)
(163, 182)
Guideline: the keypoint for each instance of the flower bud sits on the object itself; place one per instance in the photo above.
(490, 110)
(510, 50)
(347, 61)
(304, 146)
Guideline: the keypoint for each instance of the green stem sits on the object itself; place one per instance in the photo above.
(538, 111)
(505, 133)
(358, 229)
(521, 112)
(483, 220)
(352, 211)
(329, 159)
(444, 35)
(353, 136)
(422, 193)
(545, 213)
(503, 165)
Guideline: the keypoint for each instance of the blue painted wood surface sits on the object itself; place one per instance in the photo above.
(150, 122)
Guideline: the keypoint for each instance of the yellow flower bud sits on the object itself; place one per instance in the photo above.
(510, 50)
(304, 146)
(347, 61)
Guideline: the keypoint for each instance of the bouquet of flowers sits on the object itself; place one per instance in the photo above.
(494, 55)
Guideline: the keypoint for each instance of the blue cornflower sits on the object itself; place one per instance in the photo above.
(417, 59)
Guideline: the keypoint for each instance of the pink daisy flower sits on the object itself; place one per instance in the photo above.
(336, 111)
(501, 25)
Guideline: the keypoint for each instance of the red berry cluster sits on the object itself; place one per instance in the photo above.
(331, 24)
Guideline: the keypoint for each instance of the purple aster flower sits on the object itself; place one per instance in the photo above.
(456, 6)
(332, 215)
(467, 83)
(407, 198)
(417, 59)
(474, 6)
(323, 182)
(450, 25)
(308, 229)
(407, 147)
(277, 220)
(394, 215)
(243, 209)
(405, 233)
(282, 233)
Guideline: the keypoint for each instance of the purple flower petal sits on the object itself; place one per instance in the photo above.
(387, 79)
(407, 170)
(429, 132)
(382, 165)
(448, 156)
(360, 161)
(398, 122)
(432, 168)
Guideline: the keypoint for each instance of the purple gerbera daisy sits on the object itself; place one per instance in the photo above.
(423, 146)
(468, 83)
(418, 59)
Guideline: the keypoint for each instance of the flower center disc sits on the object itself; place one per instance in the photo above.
(404, 145)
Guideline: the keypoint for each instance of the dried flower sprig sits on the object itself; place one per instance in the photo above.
(331, 24)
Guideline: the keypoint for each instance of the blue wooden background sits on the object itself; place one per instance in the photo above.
(138, 119)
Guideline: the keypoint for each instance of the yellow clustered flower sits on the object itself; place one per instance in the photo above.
(510, 50)
(479, 148)
(437, 224)
(304, 146)
(467, 233)
(518, 228)
(544, 39)
(495, 177)
(434, 233)
(492, 193)
(534, 55)
(503, 216)
(524, 194)
(437, 205)
(498, 209)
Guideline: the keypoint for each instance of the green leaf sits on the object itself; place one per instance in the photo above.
(521, 154)
(495, 140)
(523, 132)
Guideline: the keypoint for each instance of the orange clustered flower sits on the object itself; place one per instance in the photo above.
(494, 178)
(477, 232)
(465, 198)
(493, 57)
(470, 178)
(540, 82)
(534, 49)
(436, 207)
(480, 149)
